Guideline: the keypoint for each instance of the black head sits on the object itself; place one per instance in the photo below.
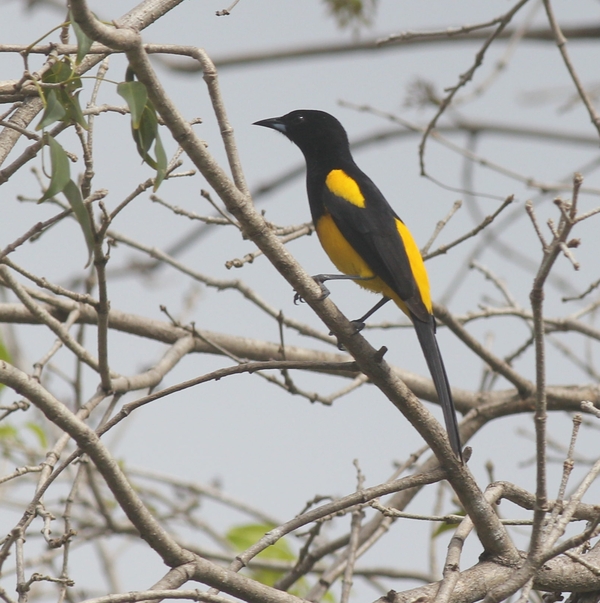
(317, 134)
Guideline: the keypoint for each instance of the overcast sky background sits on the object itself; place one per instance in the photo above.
(260, 444)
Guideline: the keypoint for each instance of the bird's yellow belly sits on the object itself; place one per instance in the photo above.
(340, 252)
(348, 261)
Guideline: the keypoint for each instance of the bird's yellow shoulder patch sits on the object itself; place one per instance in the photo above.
(342, 185)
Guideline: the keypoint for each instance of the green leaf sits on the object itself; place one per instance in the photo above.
(146, 134)
(4, 353)
(61, 171)
(74, 111)
(73, 194)
(328, 598)
(144, 125)
(54, 110)
(61, 72)
(83, 42)
(62, 104)
(446, 527)
(39, 433)
(161, 162)
(354, 13)
(243, 537)
(8, 432)
(136, 97)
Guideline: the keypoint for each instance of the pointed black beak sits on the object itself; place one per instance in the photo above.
(274, 123)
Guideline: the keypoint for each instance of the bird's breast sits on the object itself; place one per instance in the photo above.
(340, 252)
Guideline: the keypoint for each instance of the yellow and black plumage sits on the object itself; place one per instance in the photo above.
(363, 236)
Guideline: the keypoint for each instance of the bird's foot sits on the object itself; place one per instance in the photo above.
(320, 280)
(358, 324)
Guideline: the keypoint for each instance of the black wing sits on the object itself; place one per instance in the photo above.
(371, 230)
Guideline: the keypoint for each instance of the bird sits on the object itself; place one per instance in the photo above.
(364, 237)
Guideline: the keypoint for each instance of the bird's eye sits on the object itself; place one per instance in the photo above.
(299, 119)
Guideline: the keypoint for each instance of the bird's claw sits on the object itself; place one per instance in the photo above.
(325, 292)
(359, 325)
(298, 299)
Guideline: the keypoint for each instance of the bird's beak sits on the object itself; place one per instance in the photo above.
(274, 123)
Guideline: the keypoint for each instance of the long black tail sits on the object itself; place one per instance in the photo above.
(427, 339)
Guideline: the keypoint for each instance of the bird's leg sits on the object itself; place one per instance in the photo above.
(359, 323)
(321, 278)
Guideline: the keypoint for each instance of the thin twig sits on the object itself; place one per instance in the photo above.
(464, 79)
(32, 232)
(357, 518)
(439, 227)
(46, 318)
(561, 43)
(483, 224)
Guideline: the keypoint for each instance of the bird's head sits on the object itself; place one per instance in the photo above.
(318, 134)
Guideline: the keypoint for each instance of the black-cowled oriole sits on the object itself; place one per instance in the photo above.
(363, 236)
